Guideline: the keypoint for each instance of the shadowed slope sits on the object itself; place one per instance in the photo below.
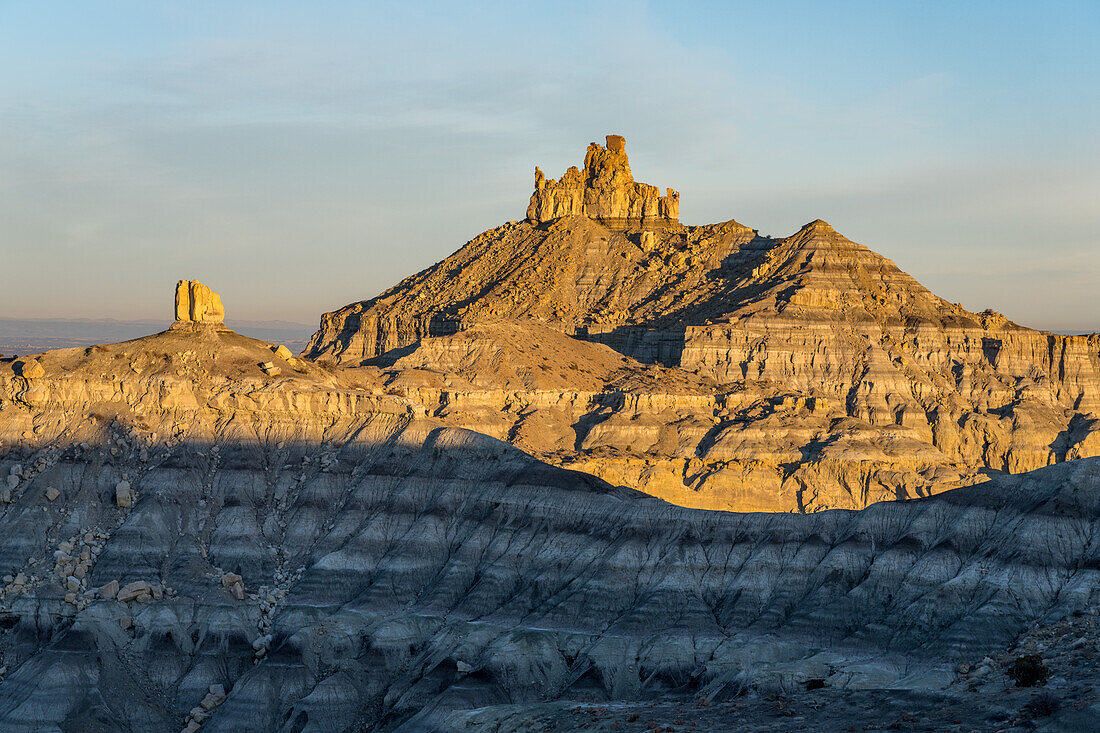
(427, 569)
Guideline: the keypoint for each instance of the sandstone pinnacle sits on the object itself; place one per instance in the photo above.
(196, 303)
(605, 191)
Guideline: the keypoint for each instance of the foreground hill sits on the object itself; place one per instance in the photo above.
(191, 541)
(831, 378)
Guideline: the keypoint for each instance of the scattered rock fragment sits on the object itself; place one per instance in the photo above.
(260, 645)
(109, 590)
(211, 701)
(270, 369)
(282, 352)
(52, 493)
(199, 714)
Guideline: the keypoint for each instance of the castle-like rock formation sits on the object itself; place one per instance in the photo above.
(196, 303)
(605, 191)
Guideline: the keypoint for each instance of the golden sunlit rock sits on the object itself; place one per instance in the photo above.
(196, 303)
(605, 191)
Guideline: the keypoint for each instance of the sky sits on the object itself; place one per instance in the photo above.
(297, 157)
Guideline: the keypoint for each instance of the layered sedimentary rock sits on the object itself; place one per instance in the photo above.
(314, 554)
(196, 303)
(605, 191)
(747, 446)
(825, 376)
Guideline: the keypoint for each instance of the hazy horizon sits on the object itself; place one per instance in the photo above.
(297, 159)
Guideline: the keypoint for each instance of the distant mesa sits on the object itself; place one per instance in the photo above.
(605, 191)
(197, 304)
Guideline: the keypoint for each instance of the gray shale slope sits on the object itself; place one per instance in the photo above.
(396, 572)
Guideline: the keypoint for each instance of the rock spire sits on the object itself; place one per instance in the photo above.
(605, 190)
(196, 303)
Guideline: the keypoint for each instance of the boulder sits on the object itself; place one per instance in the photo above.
(282, 352)
(30, 369)
(131, 591)
(109, 591)
(123, 496)
(52, 493)
(235, 584)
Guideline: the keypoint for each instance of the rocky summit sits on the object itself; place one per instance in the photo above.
(604, 191)
(483, 500)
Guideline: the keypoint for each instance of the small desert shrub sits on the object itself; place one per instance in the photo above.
(1042, 705)
(1028, 671)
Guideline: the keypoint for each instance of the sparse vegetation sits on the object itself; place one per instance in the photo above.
(1028, 671)
(1042, 705)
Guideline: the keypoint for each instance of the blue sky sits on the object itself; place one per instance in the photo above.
(297, 157)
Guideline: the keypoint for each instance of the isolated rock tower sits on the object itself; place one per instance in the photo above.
(196, 303)
(605, 191)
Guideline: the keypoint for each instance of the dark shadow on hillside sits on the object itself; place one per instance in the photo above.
(662, 340)
(443, 564)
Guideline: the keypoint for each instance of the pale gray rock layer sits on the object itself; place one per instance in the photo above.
(410, 570)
